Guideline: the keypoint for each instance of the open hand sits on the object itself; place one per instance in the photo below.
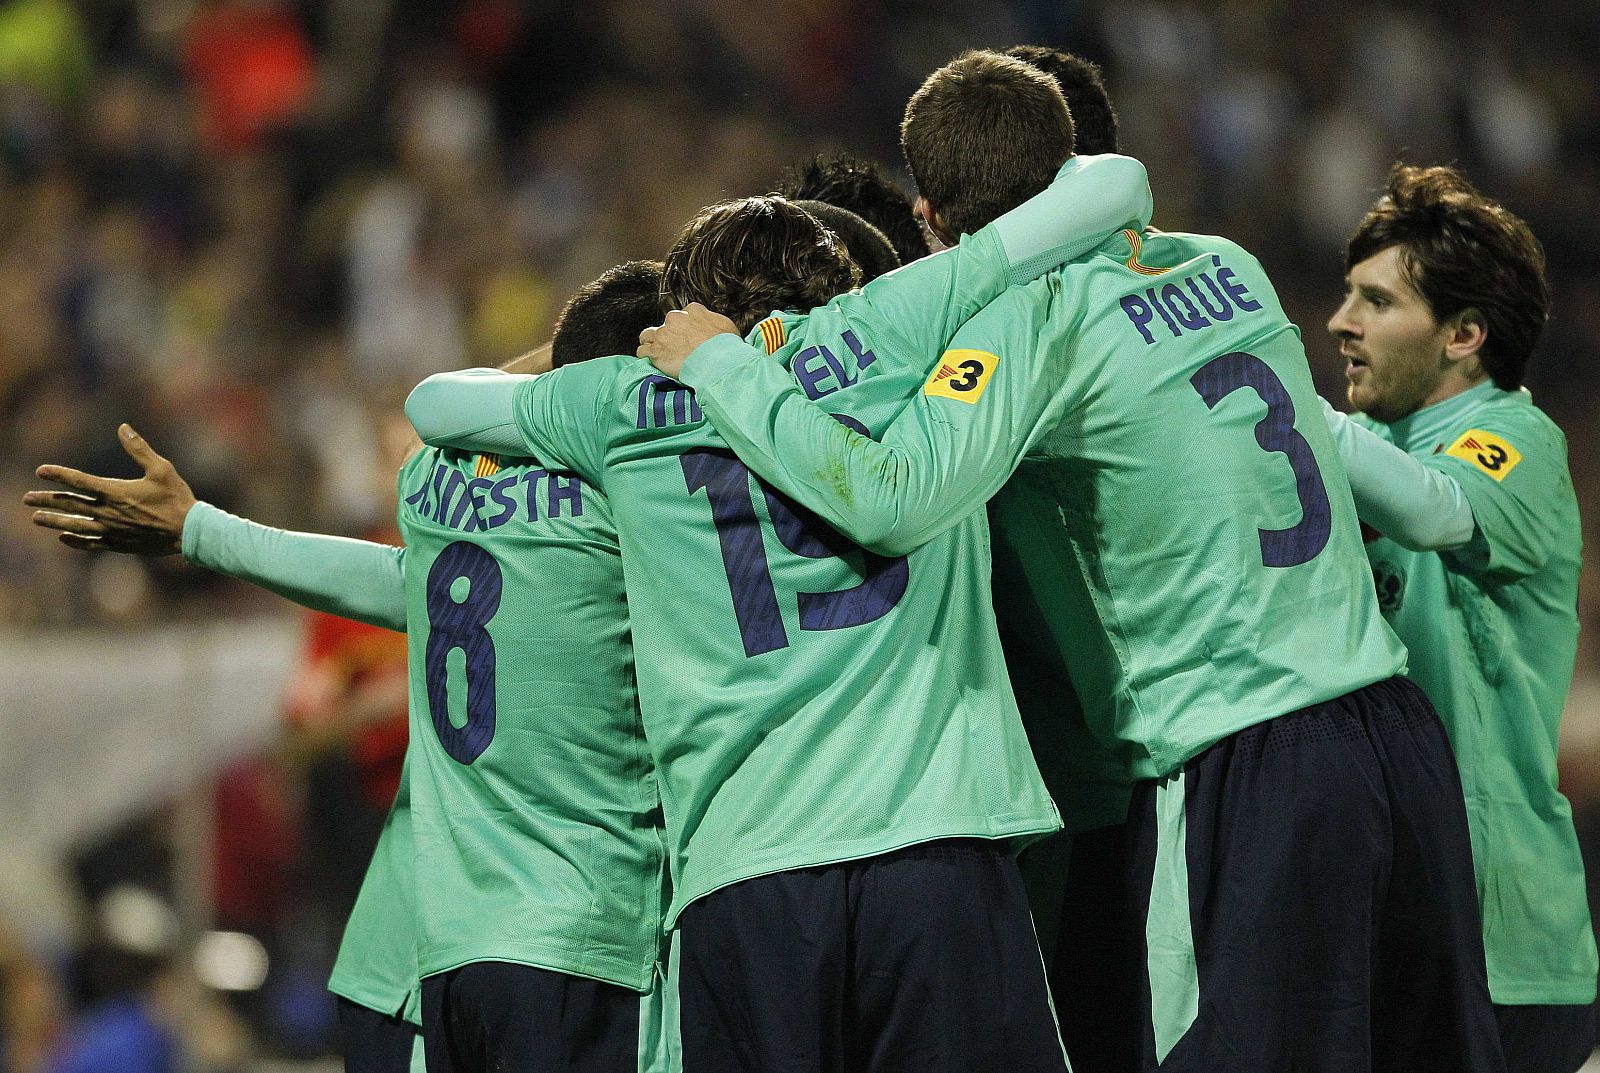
(678, 335)
(140, 517)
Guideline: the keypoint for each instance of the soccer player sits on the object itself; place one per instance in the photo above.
(1094, 120)
(1445, 299)
(842, 764)
(536, 855)
(858, 185)
(1180, 521)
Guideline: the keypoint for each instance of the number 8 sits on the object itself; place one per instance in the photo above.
(462, 624)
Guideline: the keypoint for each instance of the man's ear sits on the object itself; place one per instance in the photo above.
(1468, 334)
(935, 222)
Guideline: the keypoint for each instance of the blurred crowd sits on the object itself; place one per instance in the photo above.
(250, 226)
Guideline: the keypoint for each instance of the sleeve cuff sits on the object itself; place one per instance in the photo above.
(714, 359)
(197, 525)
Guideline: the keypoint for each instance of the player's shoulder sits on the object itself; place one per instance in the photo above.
(1502, 432)
(1511, 411)
(591, 374)
(777, 330)
(586, 387)
(1166, 251)
(1514, 414)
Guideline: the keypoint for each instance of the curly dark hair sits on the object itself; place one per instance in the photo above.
(605, 317)
(1463, 251)
(858, 185)
(749, 257)
(1094, 121)
(983, 134)
(868, 247)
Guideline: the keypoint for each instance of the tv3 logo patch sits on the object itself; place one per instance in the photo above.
(1487, 451)
(962, 375)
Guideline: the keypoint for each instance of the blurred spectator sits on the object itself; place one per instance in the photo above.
(42, 48)
(251, 67)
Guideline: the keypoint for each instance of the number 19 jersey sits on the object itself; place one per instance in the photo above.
(535, 813)
(808, 702)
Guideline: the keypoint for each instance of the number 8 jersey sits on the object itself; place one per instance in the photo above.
(535, 810)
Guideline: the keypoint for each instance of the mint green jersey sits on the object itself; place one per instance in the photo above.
(1178, 512)
(807, 702)
(377, 962)
(535, 811)
(1493, 630)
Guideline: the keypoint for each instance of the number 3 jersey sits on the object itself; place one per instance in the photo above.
(807, 702)
(1185, 526)
(535, 813)
(1178, 524)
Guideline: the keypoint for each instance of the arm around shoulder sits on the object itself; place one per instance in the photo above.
(1416, 507)
(473, 409)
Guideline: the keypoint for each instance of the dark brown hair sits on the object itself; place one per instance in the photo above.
(859, 185)
(868, 247)
(605, 317)
(1462, 251)
(983, 134)
(746, 258)
(1094, 121)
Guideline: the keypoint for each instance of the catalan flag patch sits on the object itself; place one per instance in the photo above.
(487, 466)
(962, 375)
(772, 334)
(1488, 452)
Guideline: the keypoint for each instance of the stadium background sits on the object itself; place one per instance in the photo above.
(248, 226)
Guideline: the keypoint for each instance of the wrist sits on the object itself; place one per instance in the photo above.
(713, 359)
(192, 529)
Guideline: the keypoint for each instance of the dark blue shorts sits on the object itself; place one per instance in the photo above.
(1332, 916)
(499, 1017)
(1097, 971)
(922, 961)
(1546, 1039)
(374, 1042)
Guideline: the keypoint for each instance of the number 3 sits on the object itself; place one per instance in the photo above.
(973, 369)
(1221, 377)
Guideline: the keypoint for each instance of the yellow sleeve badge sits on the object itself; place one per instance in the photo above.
(1488, 452)
(962, 375)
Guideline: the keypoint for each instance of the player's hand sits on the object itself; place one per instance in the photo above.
(678, 335)
(140, 517)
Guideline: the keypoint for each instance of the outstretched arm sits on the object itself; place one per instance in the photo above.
(1091, 198)
(157, 514)
(1416, 507)
(985, 402)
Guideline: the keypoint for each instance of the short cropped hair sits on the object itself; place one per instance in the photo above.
(1094, 121)
(983, 134)
(1463, 251)
(858, 185)
(749, 257)
(605, 317)
(867, 246)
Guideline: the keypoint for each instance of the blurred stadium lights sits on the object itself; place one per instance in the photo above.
(138, 921)
(230, 961)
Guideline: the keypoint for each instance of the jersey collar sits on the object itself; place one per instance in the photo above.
(1443, 419)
